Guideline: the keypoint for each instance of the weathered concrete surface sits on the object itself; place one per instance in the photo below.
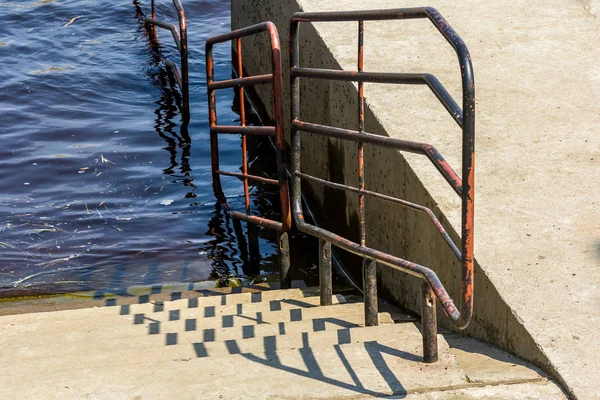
(268, 345)
(593, 6)
(537, 208)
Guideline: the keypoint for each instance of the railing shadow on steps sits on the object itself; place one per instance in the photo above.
(432, 288)
(269, 353)
(192, 320)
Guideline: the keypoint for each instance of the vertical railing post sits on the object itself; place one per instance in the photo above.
(285, 278)
(153, 17)
(370, 292)
(428, 324)
(212, 120)
(325, 274)
(184, 58)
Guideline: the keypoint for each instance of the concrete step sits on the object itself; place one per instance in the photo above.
(247, 304)
(171, 346)
(139, 336)
(194, 299)
(20, 338)
(97, 318)
(378, 361)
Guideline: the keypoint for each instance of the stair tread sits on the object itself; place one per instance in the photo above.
(202, 298)
(140, 336)
(377, 361)
(20, 336)
(120, 352)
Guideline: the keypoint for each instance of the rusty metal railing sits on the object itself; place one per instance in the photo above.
(239, 83)
(180, 37)
(432, 288)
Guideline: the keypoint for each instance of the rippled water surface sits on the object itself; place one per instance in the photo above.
(100, 185)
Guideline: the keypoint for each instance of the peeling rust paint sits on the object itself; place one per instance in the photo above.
(464, 117)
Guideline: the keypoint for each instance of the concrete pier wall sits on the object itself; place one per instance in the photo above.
(521, 252)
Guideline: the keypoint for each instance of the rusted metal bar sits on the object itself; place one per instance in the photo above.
(174, 71)
(360, 145)
(253, 219)
(167, 26)
(285, 277)
(464, 186)
(391, 199)
(247, 130)
(240, 82)
(412, 147)
(325, 273)
(360, 76)
(277, 130)
(249, 177)
(242, 108)
(369, 268)
(180, 37)
(428, 324)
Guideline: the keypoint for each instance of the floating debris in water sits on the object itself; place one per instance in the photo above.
(105, 160)
(166, 202)
(58, 260)
(73, 20)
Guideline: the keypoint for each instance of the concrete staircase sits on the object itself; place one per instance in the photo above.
(256, 344)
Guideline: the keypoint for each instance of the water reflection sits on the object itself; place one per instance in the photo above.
(231, 252)
(101, 188)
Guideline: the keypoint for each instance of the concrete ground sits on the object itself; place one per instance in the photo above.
(538, 155)
(260, 344)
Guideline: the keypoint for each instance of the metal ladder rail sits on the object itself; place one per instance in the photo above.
(275, 77)
(432, 288)
(180, 37)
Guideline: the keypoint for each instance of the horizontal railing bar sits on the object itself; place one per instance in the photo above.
(247, 81)
(395, 200)
(413, 147)
(245, 130)
(430, 80)
(238, 33)
(168, 26)
(251, 177)
(171, 65)
(395, 262)
(363, 15)
(253, 219)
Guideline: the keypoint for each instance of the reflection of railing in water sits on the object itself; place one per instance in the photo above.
(275, 77)
(465, 118)
(180, 37)
(165, 115)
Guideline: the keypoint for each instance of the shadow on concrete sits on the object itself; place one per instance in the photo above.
(474, 346)
(269, 353)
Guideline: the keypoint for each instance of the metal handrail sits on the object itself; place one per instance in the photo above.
(432, 287)
(275, 77)
(180, 37)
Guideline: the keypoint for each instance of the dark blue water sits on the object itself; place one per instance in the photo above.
(100, 185)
